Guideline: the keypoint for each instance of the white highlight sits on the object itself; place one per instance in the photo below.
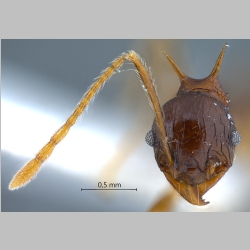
(26, 131)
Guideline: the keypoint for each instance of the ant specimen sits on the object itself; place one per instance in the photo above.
(193, 134)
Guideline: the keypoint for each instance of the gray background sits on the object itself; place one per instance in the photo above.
(50, 77)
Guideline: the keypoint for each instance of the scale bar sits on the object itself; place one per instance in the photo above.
(108, 189)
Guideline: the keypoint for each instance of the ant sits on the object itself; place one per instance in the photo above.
(193, 135)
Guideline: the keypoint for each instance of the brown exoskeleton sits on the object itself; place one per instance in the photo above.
(189, 147)
(201, 135)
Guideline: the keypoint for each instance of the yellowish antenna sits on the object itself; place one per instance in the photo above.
(26, 173)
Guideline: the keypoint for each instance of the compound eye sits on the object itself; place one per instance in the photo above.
(150, 139)
(235, 138)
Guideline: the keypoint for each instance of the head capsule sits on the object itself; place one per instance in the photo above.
(200, 132)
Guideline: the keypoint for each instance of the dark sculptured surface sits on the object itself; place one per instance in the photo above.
(201, 135)
(200, 132)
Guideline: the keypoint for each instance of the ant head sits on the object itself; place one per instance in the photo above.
(209, 85)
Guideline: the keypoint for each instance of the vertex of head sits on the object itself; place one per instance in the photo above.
(210, 84)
